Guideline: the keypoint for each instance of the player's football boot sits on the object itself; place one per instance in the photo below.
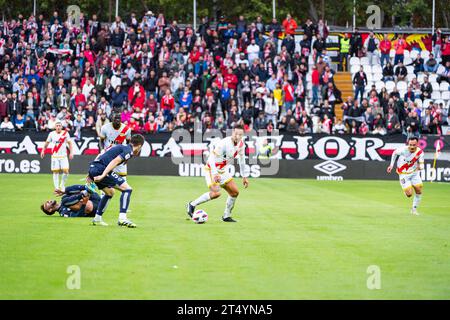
(91, 187)
(99, 223)
(190, 209)
(126, 223)
(415, 212)
(228, 219)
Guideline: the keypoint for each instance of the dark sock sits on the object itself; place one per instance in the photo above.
(125, 200)
(103, 204)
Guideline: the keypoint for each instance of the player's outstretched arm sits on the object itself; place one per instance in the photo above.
(393, 159)
(118, 160)
(243, 171)
(43, 149)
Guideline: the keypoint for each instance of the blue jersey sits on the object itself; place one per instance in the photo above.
(124, 151)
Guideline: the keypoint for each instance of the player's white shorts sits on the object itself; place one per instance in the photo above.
(121, 169)
(60, 163)
(225, 177)
(411, 179)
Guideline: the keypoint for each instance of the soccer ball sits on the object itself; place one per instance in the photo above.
(200, 216)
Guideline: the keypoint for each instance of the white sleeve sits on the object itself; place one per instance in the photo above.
(241, 161)
(49, 138)
(213, 157)
(421, 162)
(394, 157)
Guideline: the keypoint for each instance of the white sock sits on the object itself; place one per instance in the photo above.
(416, 201)
(122, 216)
(98, 217)
(203, 198)
(63, 180)
(229, 206)
(56, 179)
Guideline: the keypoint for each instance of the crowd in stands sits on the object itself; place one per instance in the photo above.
(162, 77)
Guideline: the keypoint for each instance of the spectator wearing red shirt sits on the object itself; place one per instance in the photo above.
(80, 99)
(385, 49)
(288, 94)
(136, 95)
(315, 81)
(289, 25)
(231, 79)
(151, 126)
(399, 46)
(194, 55)
(168, 105)
(134, 125)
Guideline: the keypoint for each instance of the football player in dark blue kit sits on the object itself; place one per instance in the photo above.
(101, 173)
(76, 201)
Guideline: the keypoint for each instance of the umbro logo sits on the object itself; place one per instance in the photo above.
(330, 168)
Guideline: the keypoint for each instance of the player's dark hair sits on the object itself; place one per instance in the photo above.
(137, 140)
(239, 126)
(46, 211)
(413, 138)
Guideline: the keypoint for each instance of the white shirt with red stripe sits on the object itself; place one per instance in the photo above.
(112, 136)
(223, 155)
(57, 139)
(408, 162)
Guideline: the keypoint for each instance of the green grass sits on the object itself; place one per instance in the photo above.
(295, 239)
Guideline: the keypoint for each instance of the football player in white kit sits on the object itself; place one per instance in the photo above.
(217, 175)
(409, 164)
(114, 133)
(60, 159)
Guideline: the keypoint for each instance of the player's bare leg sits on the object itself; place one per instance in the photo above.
(65, 175)
(126, 190)
(417, 198)
(233, 192)
(56, 178)
(214, 193)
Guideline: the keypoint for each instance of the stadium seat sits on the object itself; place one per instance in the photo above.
(367, 68)
(354, 61)
(425, 54)
(420, 78)
(426, 102)
(380, 85)
(444, 86)
(402, 93)
(413, 54)
(406, 53)
(435, 95)
(410, 69)
(432, 78)
(407, 60)
(435, 86)
(402, 86)
(377, 76)
(440, 69)
(439, 101)
(364, 61)
(410, 76)
(445, 95)
(377, 69)
(390, 85)
(354, 69)
(392, 53)
(418, 102)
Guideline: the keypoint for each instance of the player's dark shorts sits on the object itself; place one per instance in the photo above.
(111, 180)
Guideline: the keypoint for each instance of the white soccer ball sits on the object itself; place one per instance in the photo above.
(200, 216)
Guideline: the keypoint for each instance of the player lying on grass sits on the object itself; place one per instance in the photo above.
(216, 173)
(101, 172)
(76, 201)
(409, 164)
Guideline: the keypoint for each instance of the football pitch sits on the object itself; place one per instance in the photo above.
(295, 239)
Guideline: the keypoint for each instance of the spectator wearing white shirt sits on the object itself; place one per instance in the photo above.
(87, 88)
(7, 125)
(252, 51)
(271, 109)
